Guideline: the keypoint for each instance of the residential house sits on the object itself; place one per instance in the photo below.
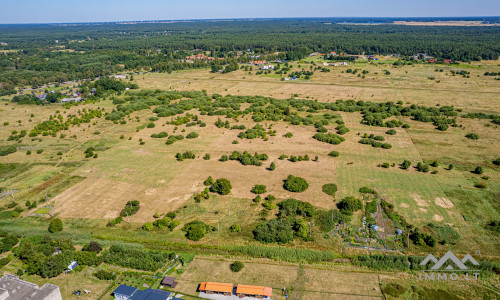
(261, 292)
(125, 292)
(216, 288)
(13, 288)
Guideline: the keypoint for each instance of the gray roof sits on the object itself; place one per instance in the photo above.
(14, 288)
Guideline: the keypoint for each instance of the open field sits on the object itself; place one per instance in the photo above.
(125, 170)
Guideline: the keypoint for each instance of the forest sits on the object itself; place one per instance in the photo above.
(38, 54)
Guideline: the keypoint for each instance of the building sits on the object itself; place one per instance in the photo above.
(125, 292)
(13, 288)
(267, 67)
(72, 266)
(262, 292)
(216, 288)
(169, 281)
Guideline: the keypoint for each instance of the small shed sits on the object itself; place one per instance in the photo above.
(169, 281)
(375, 227)
(72, 266)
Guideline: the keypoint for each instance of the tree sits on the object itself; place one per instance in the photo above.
(472, 136)
(349, 205)
(295, 184)
(195, 230)
(333, 154)
(478, 170)
(209, 181)
(272, 166)
(55, 225)
(406, 164)
(236, 266)
(221, 186)
(93, 247)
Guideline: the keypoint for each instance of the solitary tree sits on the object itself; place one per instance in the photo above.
(55, 225)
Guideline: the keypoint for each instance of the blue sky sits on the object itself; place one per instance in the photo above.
(63, 11)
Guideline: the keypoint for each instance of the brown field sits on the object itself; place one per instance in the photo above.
(307, 282)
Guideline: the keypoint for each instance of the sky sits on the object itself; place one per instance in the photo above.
(73, 11)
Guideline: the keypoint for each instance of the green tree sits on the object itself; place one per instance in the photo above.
(295, 184)
(236, 266)
(221, 186)
(272, 166)
(55, 225)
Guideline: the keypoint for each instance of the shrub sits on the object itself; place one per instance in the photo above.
(269, 205)
(333, 154)
(349, 205)
(259, 189)
(192, 135)
(391, 132)
(379, 138)
(93, 247)
(105, 275)
(367, 190)
(272, 166)
(224, 158)
(385, 165)
(386, 146)
(221, 186)
(209, 181)
(292, 207)
(274, 231)
(406, 164)
(160, 135)
(406, 126)
(472, 136)
(329, 189)
(422, 167)
(497, 162)
(478, 170)
(195, 230)
(257, 199)
(55, 225)
(151, 125)
(288, 135)
(207, 156)
(236, 266)
(235, 228)
(147, 226)
(295, 184)
(130, 208)
(481, 185)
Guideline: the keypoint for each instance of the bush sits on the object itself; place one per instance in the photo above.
(274, 231)
(209, 181)
(330, 189)
(105, 275)
(386, 146)
(192, 135)
(195, 230)
(292, 207)
(221, 186)
(385, 165)
(295, 184)
(160, 135)
(367, 190)
(333, 154)
(272, 167)
(406, 164)
(151, 125)
(236, 266)
(481, 185)
(207, 156)
(497, 162)
(147, 226)
(257, 199)
(259, 189)
(391, 132)
(235, 228)
(93, 247)
(472, 136)
(55, 225)
(349, 205)
(478, 170)
(288, 135)
(130, 209)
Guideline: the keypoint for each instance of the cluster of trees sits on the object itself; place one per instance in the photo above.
(134, 257)
(185, 155)
(130, 209)
(221, 186)
(246, 158)
(57, 123)
(196, 230)
(293, 220)
(374, 143)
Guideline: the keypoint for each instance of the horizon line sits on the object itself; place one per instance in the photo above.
(235, 19)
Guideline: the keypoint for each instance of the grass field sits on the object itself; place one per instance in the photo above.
(97, 189)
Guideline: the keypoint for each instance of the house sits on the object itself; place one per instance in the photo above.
(169, 281)
(216, 288)
(267, 67)
(125, 292)
(13, 288)
(432, 60)
(448, 61)
(261, 292)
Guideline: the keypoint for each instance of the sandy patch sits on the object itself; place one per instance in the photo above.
(443, 202)
(438, 218)
(404, 205)
(419, 200)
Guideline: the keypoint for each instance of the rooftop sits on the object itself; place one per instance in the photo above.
(13, 288)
